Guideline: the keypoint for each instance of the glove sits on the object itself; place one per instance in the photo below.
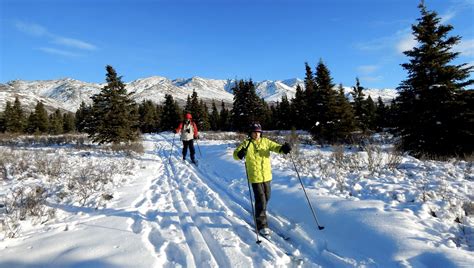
(175, 131)
(196, 137)
(241, 153)
(285, 148)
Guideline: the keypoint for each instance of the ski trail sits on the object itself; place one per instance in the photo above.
(299, 246)
(195, 191)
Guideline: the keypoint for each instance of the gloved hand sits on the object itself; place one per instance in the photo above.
(285, 148)
(196, 137)
(175, 131)
(241, 153)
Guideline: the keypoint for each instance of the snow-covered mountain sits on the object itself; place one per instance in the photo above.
(67, 94)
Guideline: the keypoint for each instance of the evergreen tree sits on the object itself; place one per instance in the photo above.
(170, 115)
(204, 117)
(371, 115)
(298, 105)
(2, 123)
(83, 116)
(56, 123)
(325, 105)
(68, 123)
(343, 118)
(114, 113)
(359, 106)
(38, 121)
(148, 117)
(429, 97)
(247, 107)
(8, 114)
(266, 115)
(195, 109)
(284, 116)
(15, 120)
(214, 117)
(224, 118)
(381, 115)
(309, 108)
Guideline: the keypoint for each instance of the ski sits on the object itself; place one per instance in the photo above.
(295, 259)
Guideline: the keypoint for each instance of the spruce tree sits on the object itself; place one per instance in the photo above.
(170, 116)
(14, 118)
(358, 98)
(2, 122)
(429, 120)
(203, 123)
(83, 117)
(56, 123)
(68, 123)
(298, 105)
(195, 108)
(224, 118)
(309, 108)
(344, 122)
(214, 117)
(148, 117)
(40, 119)
(247, 107)
(115, 117)
(325, 105)
(284, 116)
(381, 115)
(8, 115)
(371, 115)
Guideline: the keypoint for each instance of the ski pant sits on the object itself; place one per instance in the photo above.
(190, 144)
(261, 191)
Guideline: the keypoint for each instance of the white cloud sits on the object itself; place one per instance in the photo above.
(466, 47)
(367, 69)
(447, 17)
(40, 31)
(371, 78)
(31, 28)
(60, 52)
(73, 43)
(407, 42)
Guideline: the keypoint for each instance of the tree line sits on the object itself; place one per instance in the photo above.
(433, 113)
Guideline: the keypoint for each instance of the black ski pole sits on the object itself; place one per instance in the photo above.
(171, 151)
(251, 198)
(320, 227)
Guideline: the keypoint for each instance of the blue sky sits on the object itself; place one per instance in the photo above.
(52, 39)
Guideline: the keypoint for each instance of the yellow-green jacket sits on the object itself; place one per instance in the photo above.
(258, 158)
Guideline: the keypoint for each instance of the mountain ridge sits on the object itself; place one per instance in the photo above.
(67, 93)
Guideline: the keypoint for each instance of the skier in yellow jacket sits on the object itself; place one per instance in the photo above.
(256, 151)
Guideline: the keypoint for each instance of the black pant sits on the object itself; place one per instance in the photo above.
(261, 191)
(189, 144)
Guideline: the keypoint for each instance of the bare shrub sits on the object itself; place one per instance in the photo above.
(128, 148)
(338, 155)
(374, 157)
(395, 157)
(468, 207)
(22, 203)
(84, 184)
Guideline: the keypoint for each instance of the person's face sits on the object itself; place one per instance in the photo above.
(255, 135)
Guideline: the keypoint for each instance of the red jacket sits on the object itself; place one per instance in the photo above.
(195, 130)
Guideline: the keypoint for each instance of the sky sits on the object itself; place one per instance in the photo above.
(243, 39)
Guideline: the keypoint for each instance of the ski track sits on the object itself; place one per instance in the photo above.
(186, 217)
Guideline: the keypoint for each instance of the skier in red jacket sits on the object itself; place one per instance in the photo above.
(189, 132)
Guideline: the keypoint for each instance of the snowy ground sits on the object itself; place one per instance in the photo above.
(170, 213)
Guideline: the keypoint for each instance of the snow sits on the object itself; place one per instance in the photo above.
(170, 213)
(68, 94)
